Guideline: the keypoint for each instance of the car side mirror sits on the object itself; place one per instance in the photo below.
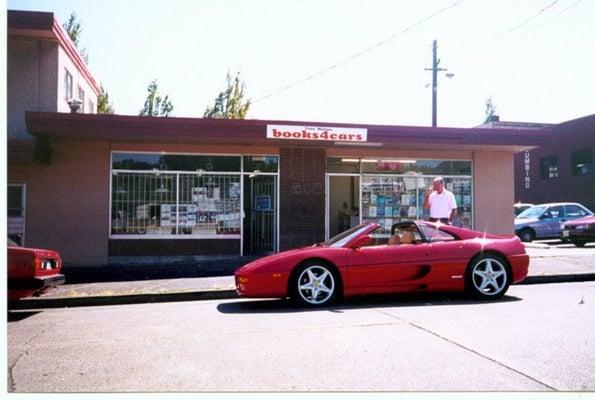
(362, 241)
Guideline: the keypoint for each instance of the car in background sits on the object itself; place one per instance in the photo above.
(32, 272)
(579, 231)
(520, 207)
(417, 256)
(543, 221)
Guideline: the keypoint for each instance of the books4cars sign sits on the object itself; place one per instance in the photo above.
(318, 133)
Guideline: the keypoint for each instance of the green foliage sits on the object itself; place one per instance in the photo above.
(74, 30)
(103, 104)
(490, 110)
(43, 151)
(155, 105)
(230, 102)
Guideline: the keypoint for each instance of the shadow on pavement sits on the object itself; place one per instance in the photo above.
(15, 316)
(269, 306)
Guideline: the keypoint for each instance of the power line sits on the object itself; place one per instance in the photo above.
(351, 58)
(524, 22)
(553, 17)
(508, 31)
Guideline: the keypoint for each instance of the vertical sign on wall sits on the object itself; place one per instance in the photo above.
(527, 167)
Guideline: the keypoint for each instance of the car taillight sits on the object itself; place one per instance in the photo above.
(45, 264)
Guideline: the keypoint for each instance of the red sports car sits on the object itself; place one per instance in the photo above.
(32, 271)
(417, 256)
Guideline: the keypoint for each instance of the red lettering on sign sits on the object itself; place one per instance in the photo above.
(276, 133)
(305, 134)
(314, 135)
(287, 134)
(342, 136)
(358, 137)
(324, 135)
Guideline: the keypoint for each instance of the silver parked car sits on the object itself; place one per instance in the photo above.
(543, 221)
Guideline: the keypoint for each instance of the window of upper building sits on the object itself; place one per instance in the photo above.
(91, 107)
(81, 94)
(582, 162)
(548, 167)
(67, 85)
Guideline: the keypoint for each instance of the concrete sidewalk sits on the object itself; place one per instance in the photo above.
(215, 280)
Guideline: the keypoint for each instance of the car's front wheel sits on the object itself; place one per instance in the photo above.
(527, 235)
(488, 276)
(314, 285)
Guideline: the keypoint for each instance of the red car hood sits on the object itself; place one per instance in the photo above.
(276, 257)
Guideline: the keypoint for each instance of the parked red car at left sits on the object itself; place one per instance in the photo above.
(31, 272)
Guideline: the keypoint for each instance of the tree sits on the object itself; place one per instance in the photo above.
(230, 102)
(490, 110)
(103, 104)
(74, 30)
(155, 105)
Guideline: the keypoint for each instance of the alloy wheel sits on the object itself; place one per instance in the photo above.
(489, 277)
(316, 285)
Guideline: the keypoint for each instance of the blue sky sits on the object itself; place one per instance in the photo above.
(535, 58)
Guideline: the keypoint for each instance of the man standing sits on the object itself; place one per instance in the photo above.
(440, 202)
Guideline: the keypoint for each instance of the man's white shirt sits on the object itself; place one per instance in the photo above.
(442, 204)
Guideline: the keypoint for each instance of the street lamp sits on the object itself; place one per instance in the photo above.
(435, 69)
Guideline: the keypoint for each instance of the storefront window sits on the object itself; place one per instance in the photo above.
(148, 201)
(425, 167)
(175, 162)
(393, 190)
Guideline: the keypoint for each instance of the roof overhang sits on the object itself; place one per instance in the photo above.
(130, 129)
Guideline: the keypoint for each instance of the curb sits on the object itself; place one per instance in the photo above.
(536, 279)
(64, 302)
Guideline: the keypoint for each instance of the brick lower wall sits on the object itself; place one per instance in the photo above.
(302, 180)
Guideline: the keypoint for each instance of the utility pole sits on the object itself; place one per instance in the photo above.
(435, 69)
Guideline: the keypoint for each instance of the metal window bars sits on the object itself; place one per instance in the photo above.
(168, 204)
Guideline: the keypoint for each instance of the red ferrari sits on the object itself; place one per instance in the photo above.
(32, 271)
(417, 256)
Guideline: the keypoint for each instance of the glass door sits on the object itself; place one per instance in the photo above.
(343, 203)
(260, 208)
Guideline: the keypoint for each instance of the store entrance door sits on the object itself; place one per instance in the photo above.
(343, 203)
(260, 208)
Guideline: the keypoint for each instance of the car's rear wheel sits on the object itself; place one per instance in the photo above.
(488, 276)
(315, 284)
(579, 243)
(527, 235)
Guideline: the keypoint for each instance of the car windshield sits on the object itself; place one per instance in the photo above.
(532, 212)
(344, 237)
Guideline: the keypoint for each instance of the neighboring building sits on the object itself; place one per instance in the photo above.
(131, 189)
(45, 72)
(561, 171)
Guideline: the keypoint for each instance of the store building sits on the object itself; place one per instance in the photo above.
(124, 189)
(115, 189)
